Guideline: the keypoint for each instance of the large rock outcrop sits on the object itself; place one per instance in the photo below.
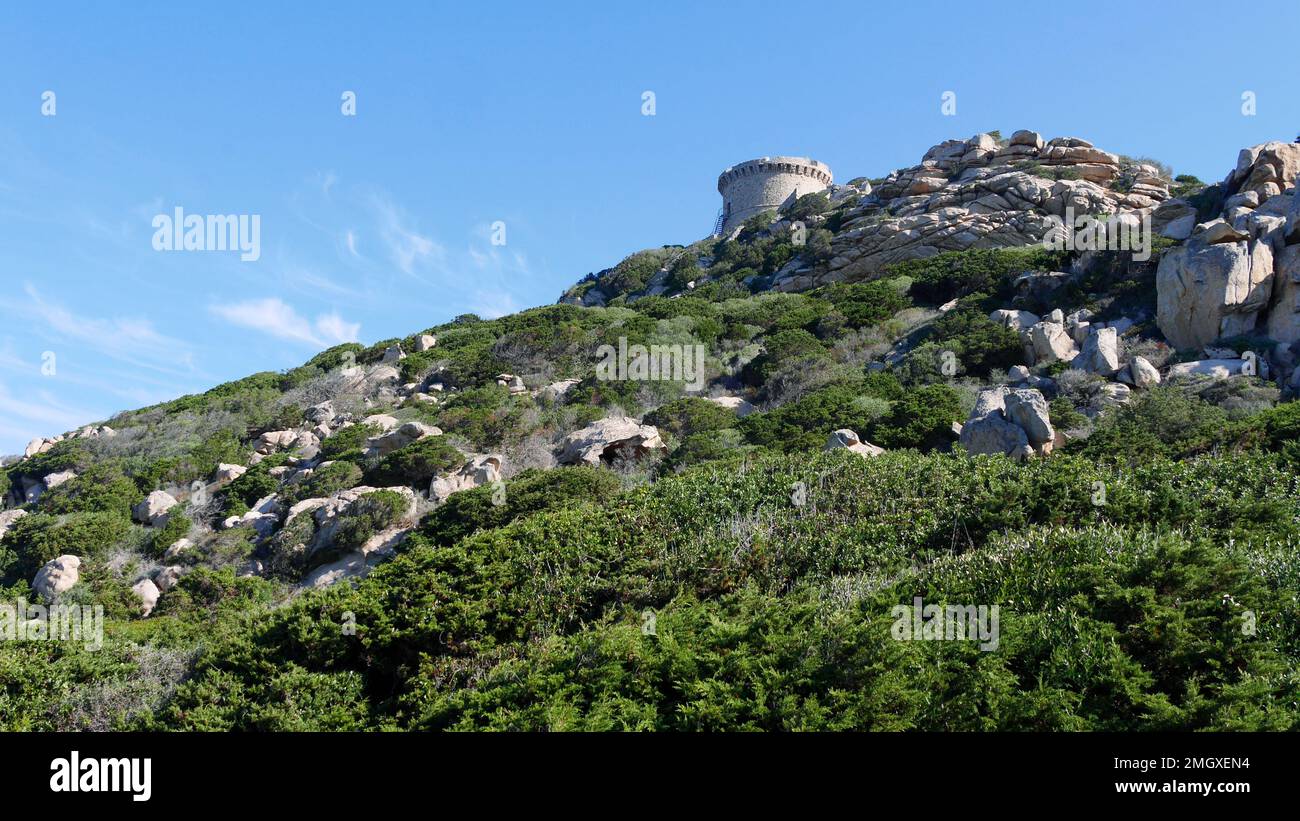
(1237, 274)
(1012, 422)
(608, 439)
(1208, 291)
(981, 193)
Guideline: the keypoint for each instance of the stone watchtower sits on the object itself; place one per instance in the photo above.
(766, 184)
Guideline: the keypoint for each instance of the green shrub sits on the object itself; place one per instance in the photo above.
(921, 419)
(1186, 185)
(806, 423)
(324, 481)
(865, 303)
(782, 347)
(39, 537)
(808, 205)
(255, 484)
(1064, 416)
(177, 527)
(530, 492)
(632, 273)
(722, 443)
(486, 416)
(416, 464)
(954, 274)
(1116, 617)
(690, 415)
(102, 488)
(347, 443)
(1164, 420)
(978, 344)
(367, 516)
(286, 554)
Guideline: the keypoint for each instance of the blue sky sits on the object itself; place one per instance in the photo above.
(378, 225)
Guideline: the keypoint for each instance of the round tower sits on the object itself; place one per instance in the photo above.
(766, 184)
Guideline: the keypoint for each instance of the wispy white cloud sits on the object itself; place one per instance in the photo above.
(38, 413)
(311, 281)
(277, 318)
(415, 254)
(131, 340)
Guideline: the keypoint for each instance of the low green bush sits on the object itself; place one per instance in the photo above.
(39, 537)
(690, 415)
(416, 464)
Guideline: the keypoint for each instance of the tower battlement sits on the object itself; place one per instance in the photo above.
(765, 184)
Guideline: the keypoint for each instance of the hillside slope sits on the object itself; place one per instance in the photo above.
(890, 391)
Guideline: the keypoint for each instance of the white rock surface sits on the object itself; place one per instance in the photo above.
(1205, 292)
(57, 576)
(1051, 342)
(400, 437)
(478, 471)
(176, 549)
(1027, 408)
(1214, 368)
(988, 431)
(738, 405)
(165, 578)
(1015, 320)
(228, 473)
(556, 390)
(53, 480)
(8, 518)
(1143, 373)
(148, 594)
(1100, 354)
(847, 439)
(610, 438)
(154, 509)
(382, 421)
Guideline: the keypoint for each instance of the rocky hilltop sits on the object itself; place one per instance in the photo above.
(1227, 262)
(691, 495)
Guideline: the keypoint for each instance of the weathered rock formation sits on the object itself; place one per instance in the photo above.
(154, 509)
(981, 193)
(1014, 422)
(478, 471)
(848, 440)
(608, 439)
(57, 576)
(1237, 274)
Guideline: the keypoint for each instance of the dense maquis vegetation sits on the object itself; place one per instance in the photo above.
(1147, 573)
(776, 616)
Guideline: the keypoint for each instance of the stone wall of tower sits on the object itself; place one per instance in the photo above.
(766, 184)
